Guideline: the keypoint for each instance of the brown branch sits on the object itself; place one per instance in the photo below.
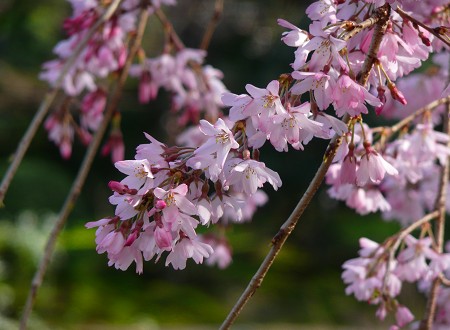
(47, 102)
(289, 225)
(82, 173)
(399, 239)
(388, 131)
(406, 16)
(218, 9)
(371, 21)
(168, 28)
(430, 311)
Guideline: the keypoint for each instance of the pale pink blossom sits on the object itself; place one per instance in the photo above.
(213, 153)
(372, 168)
(185, 249)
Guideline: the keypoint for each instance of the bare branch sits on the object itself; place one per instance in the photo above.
(168, 28)
(388, 131)
(218, 9)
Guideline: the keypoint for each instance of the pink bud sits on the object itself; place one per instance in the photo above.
(396, 94)
(130, 240)
(118, 187)
(160, 204)
(163, 238)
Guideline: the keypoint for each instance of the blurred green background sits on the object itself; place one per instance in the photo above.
(80, 291)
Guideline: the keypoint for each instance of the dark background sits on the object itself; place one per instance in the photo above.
(80, 290)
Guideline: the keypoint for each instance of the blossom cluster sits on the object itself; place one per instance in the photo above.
(168, 192)
(376, 278)
(196, 89)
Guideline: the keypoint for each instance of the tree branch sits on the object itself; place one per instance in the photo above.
(286, 229)
(48, 100)
(218, 9)
(388, 131)
(82, 173)
(434, 32)
(399, 239)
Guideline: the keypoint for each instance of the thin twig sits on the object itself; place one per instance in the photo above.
(218, 9)
(418, 113)
(406, 16)
(430, 311)
(399, 239)
(388, 131)
(289, 225)
(48, 100)
(82, 173)
(168, 27)
(371, 21)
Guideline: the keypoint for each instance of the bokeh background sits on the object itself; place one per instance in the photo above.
(303, 289)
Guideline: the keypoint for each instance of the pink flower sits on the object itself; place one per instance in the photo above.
(412, 265)
(294, 38)
(320, 83)
(373, 168)
(138, 171)
(213, 153)
(185, 249)
(176, 196)
(403, 316)
(249, 175)
(349, 97)
(348, 168)
(267, 99)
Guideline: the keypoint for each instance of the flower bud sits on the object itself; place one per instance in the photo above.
(396, 94)
(160, 204)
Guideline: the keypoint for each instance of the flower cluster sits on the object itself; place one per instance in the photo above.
(375, 278)
(195, 89)
(168, 192)
(104, 55)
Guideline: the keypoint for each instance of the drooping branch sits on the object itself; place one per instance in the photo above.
(168, 28)
(83, 172)
(389, 131)
(399, 238)
(435, 32)
(381, 16)
(48, 100)
(218, 9)
(427, 322)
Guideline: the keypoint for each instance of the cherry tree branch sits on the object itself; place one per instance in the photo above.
(168, 27)
(218, 9)
(434, 32)
(399, 237)
(388, 131)
(82, 173)
(430, 311)
(48, 100)
(288, 226)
